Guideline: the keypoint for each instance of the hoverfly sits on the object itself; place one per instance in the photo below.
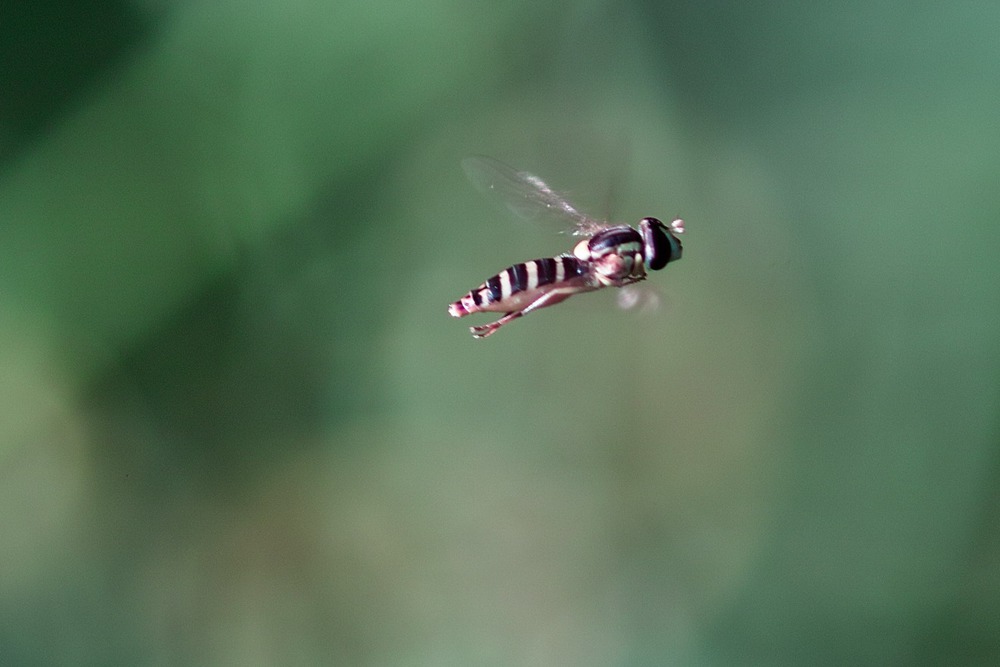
(610, 256)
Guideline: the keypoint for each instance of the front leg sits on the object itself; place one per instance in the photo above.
(548, 299)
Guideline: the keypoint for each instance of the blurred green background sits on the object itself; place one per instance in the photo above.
(237, 426)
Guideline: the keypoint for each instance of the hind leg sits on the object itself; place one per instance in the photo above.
(549, 299)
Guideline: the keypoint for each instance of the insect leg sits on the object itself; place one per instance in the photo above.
(548, 299)
(486, 329)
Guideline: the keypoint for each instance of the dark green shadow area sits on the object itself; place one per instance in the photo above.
(51, 52)
(260, 361)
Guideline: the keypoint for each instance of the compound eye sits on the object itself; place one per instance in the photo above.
(661, 246)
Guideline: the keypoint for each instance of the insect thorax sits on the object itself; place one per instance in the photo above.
(615, 255)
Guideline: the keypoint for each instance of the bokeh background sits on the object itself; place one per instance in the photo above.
(237, 426)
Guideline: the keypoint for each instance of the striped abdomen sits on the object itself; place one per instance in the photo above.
(519, 285)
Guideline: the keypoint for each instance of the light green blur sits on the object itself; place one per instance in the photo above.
(238, 426)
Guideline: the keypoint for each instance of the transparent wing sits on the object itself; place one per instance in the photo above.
(638, 299)
(526, 195)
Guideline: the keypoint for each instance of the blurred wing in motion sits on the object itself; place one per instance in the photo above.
(638, 299)
(526, 195)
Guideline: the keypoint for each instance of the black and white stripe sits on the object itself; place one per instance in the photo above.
(545, 271)
(527, 276)
(518, 277)
(619, 240)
